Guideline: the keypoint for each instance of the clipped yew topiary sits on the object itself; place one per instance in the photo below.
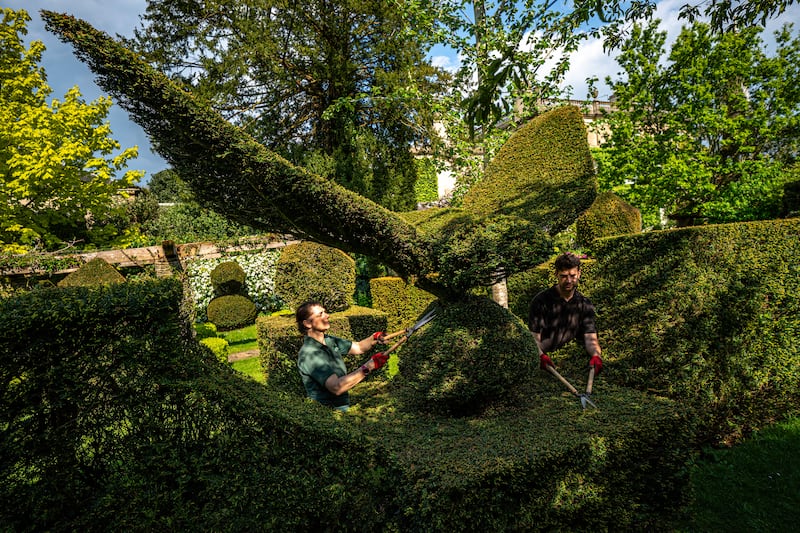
(472, 356)
(311, 271)
(609, 215)
(232, 311)
(95, 272)
(227, 278)
(544, 173)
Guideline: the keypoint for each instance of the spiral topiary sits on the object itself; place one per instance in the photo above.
(227, 278)
(231, 311)
(474, 355)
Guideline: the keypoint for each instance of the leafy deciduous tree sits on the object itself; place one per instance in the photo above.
(57, 172)
(707, 135)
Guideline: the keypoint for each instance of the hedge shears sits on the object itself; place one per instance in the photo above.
(424, 319)
(586, 397)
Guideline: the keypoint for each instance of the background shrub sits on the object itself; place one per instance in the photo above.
(227, 278)
(609, 215)
(232, 311)
(95, 272)
(218, 346)
(311, 271)
(259, 271)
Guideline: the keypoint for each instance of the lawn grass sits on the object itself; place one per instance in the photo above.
(754, 486)
(250, 367)
(241, 340)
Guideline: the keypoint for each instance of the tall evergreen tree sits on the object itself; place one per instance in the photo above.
(340, 86)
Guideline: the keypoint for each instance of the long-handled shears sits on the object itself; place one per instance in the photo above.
(427, 317)
(585, 397)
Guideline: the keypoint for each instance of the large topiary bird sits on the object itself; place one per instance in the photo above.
(537, 185)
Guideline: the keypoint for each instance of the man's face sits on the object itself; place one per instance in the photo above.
(568, 280)
(318, 321)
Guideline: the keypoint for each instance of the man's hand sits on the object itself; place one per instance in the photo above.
(544, 361)
(378, 336)
(379, 359)
(597, 363)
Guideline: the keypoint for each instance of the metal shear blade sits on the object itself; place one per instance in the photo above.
(586, 400)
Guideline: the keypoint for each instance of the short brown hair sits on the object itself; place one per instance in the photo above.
(303, 313)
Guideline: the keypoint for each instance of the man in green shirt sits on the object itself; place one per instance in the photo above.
(321, 358)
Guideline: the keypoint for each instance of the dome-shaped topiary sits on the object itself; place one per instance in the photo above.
(475, 354)
(311, 271)
(96, 272)
(231, 311)
(227, 278)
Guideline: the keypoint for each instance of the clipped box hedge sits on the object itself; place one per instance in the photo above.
(115, 418)
(402, 302)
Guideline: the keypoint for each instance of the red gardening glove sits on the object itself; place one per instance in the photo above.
(378, 335)
(544, 360)
(379, 359)
(597, 363)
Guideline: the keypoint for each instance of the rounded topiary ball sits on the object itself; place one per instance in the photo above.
(473, 355)
(227, 278)
(232, 311)
(311, 271)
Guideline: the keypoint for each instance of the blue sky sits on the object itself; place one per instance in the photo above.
(122, 16)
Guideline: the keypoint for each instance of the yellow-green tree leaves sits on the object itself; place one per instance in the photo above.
(59, 165)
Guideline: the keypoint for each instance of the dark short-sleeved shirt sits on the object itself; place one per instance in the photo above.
(316, 362)
(558, 320)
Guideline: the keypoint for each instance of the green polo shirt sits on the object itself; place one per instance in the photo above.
(316, 362)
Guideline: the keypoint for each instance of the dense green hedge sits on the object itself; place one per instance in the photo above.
(165, 437)
(227, 278)
(311, 271)
(609, 215)
(544, 173)
(707, 316)
(95, 272)
(402, 302)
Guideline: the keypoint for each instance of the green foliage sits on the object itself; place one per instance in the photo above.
(609, 215)
(168, 187)
(259, 271)
(205, 330)
(402, 302)
(310, 271)
(707, 133)
(472, 356)
(706, 316)
(168, 433)
(95, 272)
(227, 278)
(473, 252)
(231, 311)
(543, 173)
(218, 346)
(57, 175)
(426, 188)
(189, 222)
(367, 96)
